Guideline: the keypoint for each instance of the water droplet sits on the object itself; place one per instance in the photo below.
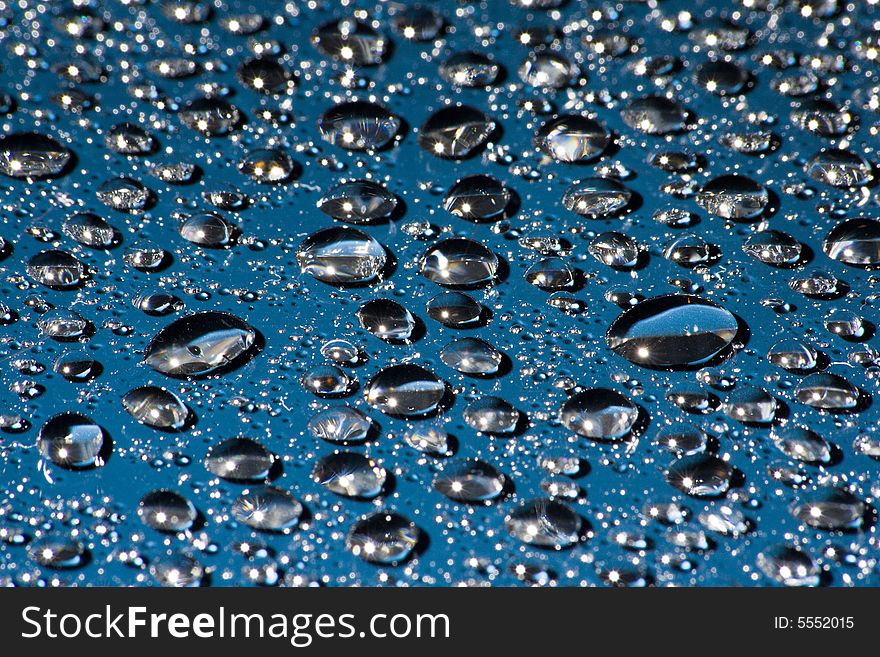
(597, 198)
(326, 381)
(788, 565)
(792, 355)
(721, 77)
(57, 551)
(239, 459)
(341, 256)
(600, 413)
(178, 570)
(773, 247)
(455, 132)
(615, 249)
(166, 511)
(827, 391)
(672, 331)
(547, 70)
(469, 69)
(129, 139)
(833, 509)
(471, 356)
(62, 325)
(383, 537)
(71, 440)
(156, 407)
(31, 155)
(854, 242)
(340, 424)
(544, 523)
(386, 319)
(206, 229)
(572, 138)
(266, 508)
(454, 309)
(351, 41)
(469, 480)
(551, 274)
(838, 168)
(407, 390)
(655, 115)
(211, 116)
(701, 475)
(750, 404)
(477, 198)
(459, 262)
(56, 269)
(267, 166)
(491, 415)
(350, 474)
(802, 444)
(89, 230)
(358, 202)
(732, 196)
(359, 126)
(200, 344)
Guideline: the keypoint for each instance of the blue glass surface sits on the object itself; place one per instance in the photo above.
(259, 280)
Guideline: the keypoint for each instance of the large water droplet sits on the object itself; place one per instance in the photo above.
(359, 126)
(492, 415)
(341, 424)
(31, 155)
(386, 319)
(471, 356)
(599, 413)
(455, 132)
(469, 480)
(459, 262)
(854, 242)
(56, 269)
(351, 41)
(341, 256)
(383, 537)
(239, 459)
(200, 344)
(478, 198)
(788, 565)
(407, 390)
(732, 196)
(544, 523)
(833, 509)
(701, 475)
(350, 474)
(454, 309)
(672, 331)
(156, 407)
(358, 202)
(827, 391)
(802, 444)
(597, 198)
(838, 168)
(572, 138)
(71, 440)
(266, 508)
(166, 511)
(654, 115)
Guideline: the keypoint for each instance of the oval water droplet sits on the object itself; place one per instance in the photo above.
(200, 344)
(672, 331)
(600, 413)
(406, 390)
(341, 256)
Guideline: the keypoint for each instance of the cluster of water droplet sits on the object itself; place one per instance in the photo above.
(486, 293)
